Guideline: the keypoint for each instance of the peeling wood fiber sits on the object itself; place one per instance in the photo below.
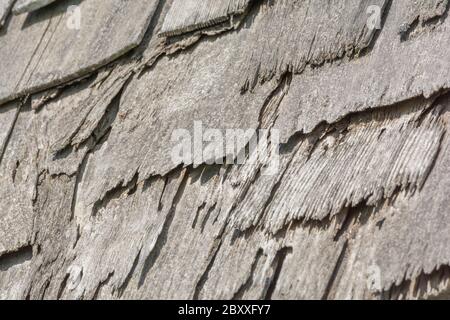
(365, 161)
(185, 90)
(298, 33)
(422, 11)
(393, 72)
(189, 15)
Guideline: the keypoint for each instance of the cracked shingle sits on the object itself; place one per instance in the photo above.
(294, 34)
(190, 15)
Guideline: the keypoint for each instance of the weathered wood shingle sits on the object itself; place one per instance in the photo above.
(189, 15)
(93, 206)
(5, 9)
(50, 47)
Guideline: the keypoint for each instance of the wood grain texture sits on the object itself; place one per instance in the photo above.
(190, 15)
(5, 9)
(93, 207)
(294, 34)
(22, 6)
(48, 47)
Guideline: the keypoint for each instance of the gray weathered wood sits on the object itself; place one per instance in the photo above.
(51, 51)
(23, 6)
(190, 15)
(93, 207)
(5, 9)
(392, 72)
(294, 34)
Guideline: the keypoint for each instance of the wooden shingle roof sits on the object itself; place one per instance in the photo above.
(352, 96)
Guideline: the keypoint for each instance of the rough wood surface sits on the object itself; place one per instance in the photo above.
(23, 6)
(92, 205)
(190, 15)
(52, 50)
(294, 34)
(5, 9)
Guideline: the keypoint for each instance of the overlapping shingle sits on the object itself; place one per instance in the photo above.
(393, 71)
(93, 206)
(190, 15)
(296, 33)
(201, 86)
(368, 162)
(61, 43)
